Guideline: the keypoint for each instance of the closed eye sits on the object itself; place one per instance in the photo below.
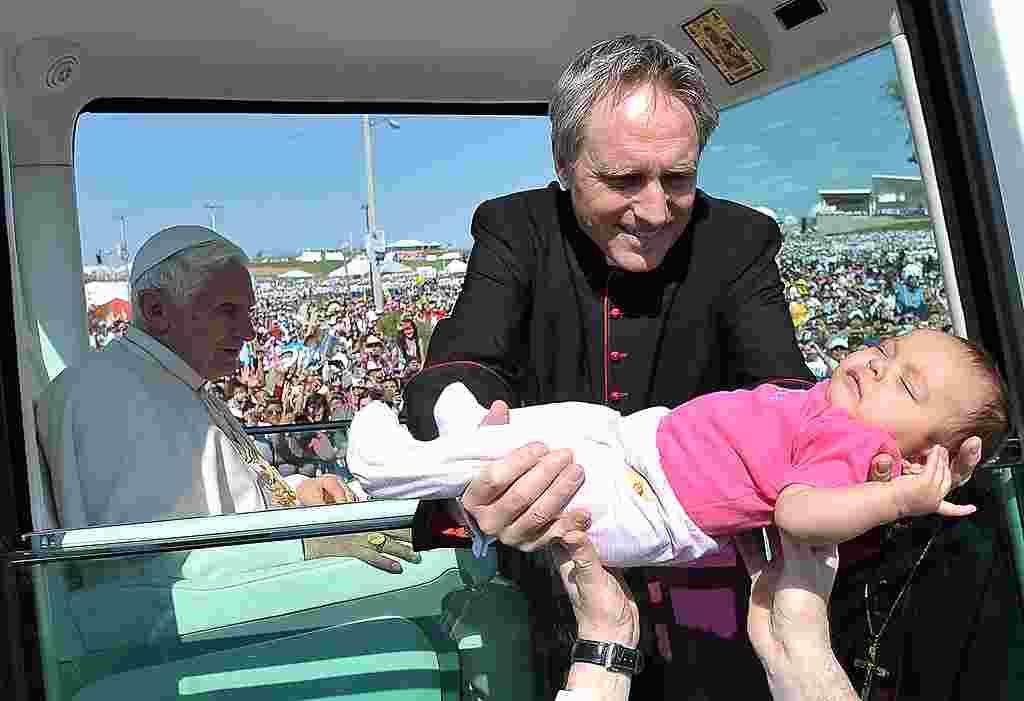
(905, 384)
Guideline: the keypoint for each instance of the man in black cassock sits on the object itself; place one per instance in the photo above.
(629, 287)
(625, 286)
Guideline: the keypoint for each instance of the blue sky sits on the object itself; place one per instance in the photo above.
(288, 182)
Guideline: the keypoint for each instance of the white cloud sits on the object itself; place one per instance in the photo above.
(749, 165)
(776, 125)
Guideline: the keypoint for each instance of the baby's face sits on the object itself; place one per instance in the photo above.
(912, 386)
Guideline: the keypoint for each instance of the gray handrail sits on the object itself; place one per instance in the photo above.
(213, 531)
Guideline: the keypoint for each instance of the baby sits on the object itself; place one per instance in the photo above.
(661, 486)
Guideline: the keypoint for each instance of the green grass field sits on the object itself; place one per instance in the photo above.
(260, 267)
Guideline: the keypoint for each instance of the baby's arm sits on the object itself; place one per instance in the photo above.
(825, 515)
(837, 514)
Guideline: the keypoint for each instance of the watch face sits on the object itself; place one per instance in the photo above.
(613, 656)
(626, 658)
(377, 539)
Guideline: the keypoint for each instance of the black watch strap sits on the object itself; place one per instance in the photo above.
(612, 656)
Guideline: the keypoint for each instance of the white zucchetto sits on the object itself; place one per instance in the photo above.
(167, 242)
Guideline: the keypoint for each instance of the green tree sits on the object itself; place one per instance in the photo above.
(893, 92)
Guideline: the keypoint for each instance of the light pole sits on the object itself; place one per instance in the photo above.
(122, 245)
(213, 207)
(372, 243)
(348, 280)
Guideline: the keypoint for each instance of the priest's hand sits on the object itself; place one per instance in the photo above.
(326, 489)
(520, 498)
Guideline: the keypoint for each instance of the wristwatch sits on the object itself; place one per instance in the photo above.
(612, 656)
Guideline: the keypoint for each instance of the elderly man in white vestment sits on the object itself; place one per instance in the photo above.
(132, 435)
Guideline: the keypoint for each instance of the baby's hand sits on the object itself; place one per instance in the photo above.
(922, 489)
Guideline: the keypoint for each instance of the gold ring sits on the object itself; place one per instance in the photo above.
(377, 541)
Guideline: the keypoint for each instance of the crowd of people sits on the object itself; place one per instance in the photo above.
(321, 351)
(849, 291)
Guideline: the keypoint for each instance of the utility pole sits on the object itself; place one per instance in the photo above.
(374, 247)
(122, 247)
(371, 218)
(348, 280)
(213, 207)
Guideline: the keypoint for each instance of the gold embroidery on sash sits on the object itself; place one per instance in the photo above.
(281, 493)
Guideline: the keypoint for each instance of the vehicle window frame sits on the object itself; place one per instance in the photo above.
(967, 181)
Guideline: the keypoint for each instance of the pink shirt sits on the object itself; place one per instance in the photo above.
(728, 455)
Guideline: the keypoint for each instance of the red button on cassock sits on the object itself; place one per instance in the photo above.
(616, 356)
(616, 395)
(615, 313)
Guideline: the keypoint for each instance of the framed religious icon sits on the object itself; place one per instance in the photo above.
(722, 46)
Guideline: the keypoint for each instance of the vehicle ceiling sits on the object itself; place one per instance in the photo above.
(402, 50)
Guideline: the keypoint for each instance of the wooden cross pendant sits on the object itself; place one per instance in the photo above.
(871, 669)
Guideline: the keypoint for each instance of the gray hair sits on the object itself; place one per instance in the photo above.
(615, 66)
(182, 275)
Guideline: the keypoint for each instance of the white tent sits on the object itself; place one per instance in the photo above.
(100, 292)
(456, 266)
(356, 267)
(102, 269)
(390, 265)
(296, 274)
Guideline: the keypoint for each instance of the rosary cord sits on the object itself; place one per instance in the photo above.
(899, 597)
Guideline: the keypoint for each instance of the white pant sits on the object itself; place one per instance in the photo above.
(634, 521)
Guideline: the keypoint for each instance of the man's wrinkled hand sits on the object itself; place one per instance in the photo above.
(604, 606)
(382, 549)
(327, 489)
(520, 499)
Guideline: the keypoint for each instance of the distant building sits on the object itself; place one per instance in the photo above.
(899, 196)
(889, 199)
(411, 248)
(856, 201)
(315, 255)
